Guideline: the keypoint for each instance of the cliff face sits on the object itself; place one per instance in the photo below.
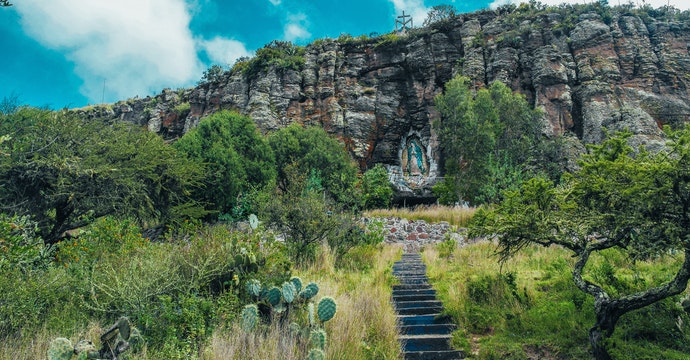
(587, 73)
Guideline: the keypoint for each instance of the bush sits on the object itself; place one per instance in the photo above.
(238, 159)
(377, 191)
(301, 152)
(20, 248)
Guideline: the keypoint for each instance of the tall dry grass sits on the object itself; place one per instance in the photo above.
(454, 215)
(364, 327)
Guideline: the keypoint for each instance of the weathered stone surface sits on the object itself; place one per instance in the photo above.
(617, 73)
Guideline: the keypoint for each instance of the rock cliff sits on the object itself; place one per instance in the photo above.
(589, 68)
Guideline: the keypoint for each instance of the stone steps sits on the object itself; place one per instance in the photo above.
(424, 334)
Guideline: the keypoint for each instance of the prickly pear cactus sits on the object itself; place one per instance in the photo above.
(273, 296)
(280, 308)
(289, 292)
(250, 316)
(60, 349)
(85, 349)
(297, 282)
(239, 260)
(312, 315)
(294, 328)
(124, 327)
(309, 291)
(316, 354)
(253, 287)
(318, 339)
(326, 308)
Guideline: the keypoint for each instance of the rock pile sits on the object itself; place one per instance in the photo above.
(414, 234)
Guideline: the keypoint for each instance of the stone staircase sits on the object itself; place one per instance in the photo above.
(424, 334)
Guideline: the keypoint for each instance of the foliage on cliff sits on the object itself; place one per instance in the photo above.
(487, 138)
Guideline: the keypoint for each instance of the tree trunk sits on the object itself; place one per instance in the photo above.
(596, 338)
(607, 313)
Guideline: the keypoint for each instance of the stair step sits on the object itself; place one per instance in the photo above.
(411, 287)
(437, 329)
(426, 319)
(409, 272)
(414, 281)
(417, 304)
(413, 297)
(435, 355)
(424, 342)
(409, 292)
(408, 268)
(420, 311)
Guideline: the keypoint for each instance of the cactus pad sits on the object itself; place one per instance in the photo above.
(309, 291)
(60, 349)
(289, 292)
(253, 287)
(318, 339)
(250, 316)
(273, 296)
(239, 260)
(294, 328)
(124, 327)
(84, 347)
(280, 308)
(316, 354)
(326, 308)
(297, 282)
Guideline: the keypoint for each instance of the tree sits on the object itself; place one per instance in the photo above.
(440, 13)
(485, 136)
(237, 157)
(619, 200)
(377, 191)
(66, 172)
(299, 151)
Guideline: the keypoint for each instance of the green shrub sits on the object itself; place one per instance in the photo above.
(281, 55)
(377, 191)
(20, 247)
(238, 159)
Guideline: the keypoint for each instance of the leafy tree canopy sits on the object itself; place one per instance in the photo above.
(237, 156)
(66, 172)
(300, 151)
(486, 138)
(637, 203)
(377, 191)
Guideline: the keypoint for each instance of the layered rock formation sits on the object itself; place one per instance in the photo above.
(587, 71)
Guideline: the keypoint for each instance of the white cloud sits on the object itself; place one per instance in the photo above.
(275, 2)
(223, 51)
(137, 47)
(415, 8)
(296, 28)
(679, 4)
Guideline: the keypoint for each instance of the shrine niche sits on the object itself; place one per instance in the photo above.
(414, 160)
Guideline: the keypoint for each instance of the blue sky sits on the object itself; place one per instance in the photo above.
(71, 53)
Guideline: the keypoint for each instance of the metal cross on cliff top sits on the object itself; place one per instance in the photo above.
(403, 22)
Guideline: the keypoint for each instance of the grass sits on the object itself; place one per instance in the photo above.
(364, 326)
(530, 307)
(454, 215)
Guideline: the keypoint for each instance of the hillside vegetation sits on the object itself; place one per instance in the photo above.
(235, 242)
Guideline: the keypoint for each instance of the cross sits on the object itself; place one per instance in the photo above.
(403, 23)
